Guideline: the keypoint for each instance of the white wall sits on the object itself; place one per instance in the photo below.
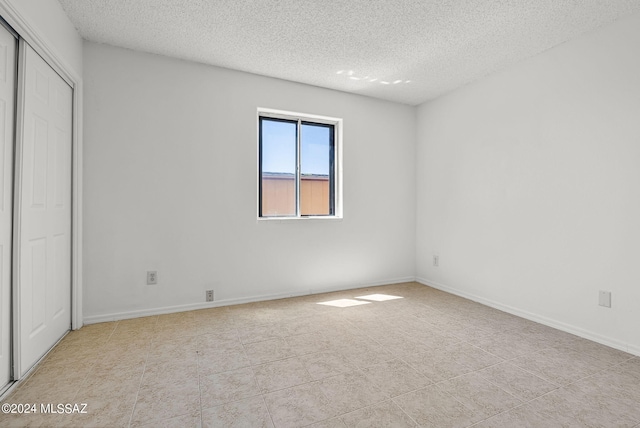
(528, 187)
(51, 23)
(170, 156)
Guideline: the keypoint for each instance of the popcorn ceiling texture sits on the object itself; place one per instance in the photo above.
(438, 45)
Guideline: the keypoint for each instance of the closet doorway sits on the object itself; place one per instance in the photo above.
(36, 207)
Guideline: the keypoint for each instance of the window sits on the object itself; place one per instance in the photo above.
(298, 164)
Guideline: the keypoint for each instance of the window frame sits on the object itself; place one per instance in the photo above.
(335, 187)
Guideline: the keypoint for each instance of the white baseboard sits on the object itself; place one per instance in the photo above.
(115, 316)
(635, 350)
(494, 304)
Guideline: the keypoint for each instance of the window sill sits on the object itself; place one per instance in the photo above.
(293, 219)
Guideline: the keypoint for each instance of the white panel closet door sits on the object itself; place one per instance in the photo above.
(45, 210)
(7, 112)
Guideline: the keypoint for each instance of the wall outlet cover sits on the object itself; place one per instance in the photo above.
(604, 298)
(152, 277)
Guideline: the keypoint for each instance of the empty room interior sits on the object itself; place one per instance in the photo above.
(297, 213)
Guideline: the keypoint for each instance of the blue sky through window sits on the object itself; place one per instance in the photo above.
(314, 158)
(279, 148)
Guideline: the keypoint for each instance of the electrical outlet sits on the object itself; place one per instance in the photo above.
(436, 260)
(604, 298)
(152, 277)
(209, 295)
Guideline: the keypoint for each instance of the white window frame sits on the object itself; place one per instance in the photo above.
(337, 147)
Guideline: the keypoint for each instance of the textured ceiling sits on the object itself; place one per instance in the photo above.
(350, 45)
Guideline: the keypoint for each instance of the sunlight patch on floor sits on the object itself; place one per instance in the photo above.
(379, 297)
(343, 303)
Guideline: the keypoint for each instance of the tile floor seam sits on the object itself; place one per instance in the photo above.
(112, 331)
(522, 400)
(536, 375)
(372, 383)
(135, 402)
(488, 352)
(549, 415)
(306, 369)
(473, 412)
(622, 362)
(589, 376)
(497, 414)
(409, 392)
(84, 380)
(328, 400)
(235, 400)
(199, 386)
(405, 413)
(403, 410)
(533, 374)
(340, 415)
(543, 395)
(255, 379)
(586, 377)
(264, 401)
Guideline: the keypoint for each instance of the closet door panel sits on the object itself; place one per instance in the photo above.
(7, 113)
(45, 210)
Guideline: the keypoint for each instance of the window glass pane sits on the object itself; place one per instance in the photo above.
(278, 168)
(316, 168)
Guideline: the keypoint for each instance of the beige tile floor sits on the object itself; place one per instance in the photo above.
(430, 359)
